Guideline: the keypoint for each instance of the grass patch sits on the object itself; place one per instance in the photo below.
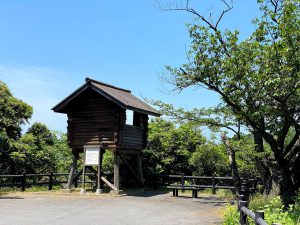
(273, 208)
(9, 190)
(221, 193)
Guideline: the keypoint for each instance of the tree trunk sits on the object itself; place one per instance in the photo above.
(233, 165)
(263, 169)
(288, 190)
(267, 177)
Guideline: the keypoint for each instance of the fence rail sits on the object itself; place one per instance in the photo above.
(257, 217)
(50, 179)
(212, 182)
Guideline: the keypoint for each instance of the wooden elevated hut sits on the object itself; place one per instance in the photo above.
(97, 116)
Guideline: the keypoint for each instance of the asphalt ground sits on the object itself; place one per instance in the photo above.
(146, 209)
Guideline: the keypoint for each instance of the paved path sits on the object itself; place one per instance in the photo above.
(53, 209)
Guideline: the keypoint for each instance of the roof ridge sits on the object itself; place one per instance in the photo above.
(88, 80)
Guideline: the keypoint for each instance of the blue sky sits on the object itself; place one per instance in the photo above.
(47, 48)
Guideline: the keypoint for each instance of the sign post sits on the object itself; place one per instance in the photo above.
(92, 156)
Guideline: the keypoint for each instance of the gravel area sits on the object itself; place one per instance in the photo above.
(147, 209)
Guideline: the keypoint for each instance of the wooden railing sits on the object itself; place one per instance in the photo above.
(245, 213)
(212, 182)
(28, 180)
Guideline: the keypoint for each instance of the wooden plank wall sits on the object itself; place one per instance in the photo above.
(91, 119)
(132, 135)
(141, 120)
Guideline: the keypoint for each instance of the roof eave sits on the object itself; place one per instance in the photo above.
(124, 106)
(59, 106)
(151, 113)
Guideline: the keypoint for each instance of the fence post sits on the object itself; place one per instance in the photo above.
(243, 217)
(240, 198)
(50, 181)
(182, 179)
(76, 183)
(23, 182)
(259, 214)
(244, 190)
(154, 182)
(213, 185)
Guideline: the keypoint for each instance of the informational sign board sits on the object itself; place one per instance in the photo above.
(91, 155)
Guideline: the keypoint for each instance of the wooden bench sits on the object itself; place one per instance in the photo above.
(193, 188)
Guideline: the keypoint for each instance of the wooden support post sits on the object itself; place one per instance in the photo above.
(72, 171)
(109, 184)
(23, 187)
(239, 198)
(182, 182)
(182, 179)
(139, 168)
(131, 169)
(213, 190)
(195, 193)
(116, 171)
(82, 191)
(243, 217)
(99, 183)
(259, 214)
(101, 162)
(50, 187)
(174, 192)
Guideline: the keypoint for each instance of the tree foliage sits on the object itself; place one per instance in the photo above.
(39, 150)
(13, 114)
(258, 79)
(62, 154)
(210, 159)
(33, 152)
(170, 148)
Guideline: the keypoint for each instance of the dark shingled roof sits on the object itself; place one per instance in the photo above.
(119, 96)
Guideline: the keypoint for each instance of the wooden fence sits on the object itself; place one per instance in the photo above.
(245, 213)
(25, 180)
(212, 182)
(249, 186)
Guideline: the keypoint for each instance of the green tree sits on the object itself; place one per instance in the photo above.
(258, 79)
(169, 147)
(210, 159)
(247, 146)
(33, 152)
(62, 152)
(13, 114)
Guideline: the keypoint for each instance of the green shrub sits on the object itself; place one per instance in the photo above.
(273, 208)
(231, 215)
(258, 201)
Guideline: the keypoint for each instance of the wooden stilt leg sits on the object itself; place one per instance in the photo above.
(101, 162)
(82, 191)
(99, 181)
(116, 171)
(72, 171)
(139, 168)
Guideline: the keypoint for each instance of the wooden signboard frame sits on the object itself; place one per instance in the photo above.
(93, 160)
